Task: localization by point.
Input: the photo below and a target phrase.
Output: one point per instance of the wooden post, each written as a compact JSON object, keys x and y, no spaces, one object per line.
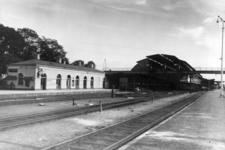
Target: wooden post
{"x":190,"y":85}
{"x":126,"y":84}
{"x":112,"y":94}
{"x":100,"y":106}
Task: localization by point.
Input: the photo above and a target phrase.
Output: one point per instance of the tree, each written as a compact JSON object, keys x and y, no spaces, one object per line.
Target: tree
{"x":50,"y":50}
{"x":78,"y":63}
{"x":11,"y":42}
{"x":32,"y":40}
{"x":25,"y":44}
{"x":11,"y":47}
{"x":90,"y":64}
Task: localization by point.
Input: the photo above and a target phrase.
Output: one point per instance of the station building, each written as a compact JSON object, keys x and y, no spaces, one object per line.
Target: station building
{"x":43,"y":75}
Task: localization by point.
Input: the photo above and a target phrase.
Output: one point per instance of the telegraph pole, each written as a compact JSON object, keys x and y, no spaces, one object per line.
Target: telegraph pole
{"x":222,"y":21}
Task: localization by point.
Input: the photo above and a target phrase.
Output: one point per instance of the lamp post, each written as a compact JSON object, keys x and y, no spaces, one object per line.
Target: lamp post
{"x":222,"y":21}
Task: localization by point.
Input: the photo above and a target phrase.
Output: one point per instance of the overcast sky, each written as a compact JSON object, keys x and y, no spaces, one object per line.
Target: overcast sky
{"x":124,"y":31}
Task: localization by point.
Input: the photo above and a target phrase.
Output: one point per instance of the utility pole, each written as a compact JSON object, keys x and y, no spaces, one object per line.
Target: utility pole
{"x":222,"y":21}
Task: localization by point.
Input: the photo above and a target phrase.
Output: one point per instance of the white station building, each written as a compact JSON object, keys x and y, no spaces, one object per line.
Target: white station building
{"x":43,"y":75}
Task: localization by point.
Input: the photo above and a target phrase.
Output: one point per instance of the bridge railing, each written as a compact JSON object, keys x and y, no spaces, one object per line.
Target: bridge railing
{"x":117,"y":69}
{"x":208,"y":69}
{"x":196,"y":68}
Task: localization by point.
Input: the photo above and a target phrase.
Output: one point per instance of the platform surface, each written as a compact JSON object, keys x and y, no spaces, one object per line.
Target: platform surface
{"x":201,"y":126}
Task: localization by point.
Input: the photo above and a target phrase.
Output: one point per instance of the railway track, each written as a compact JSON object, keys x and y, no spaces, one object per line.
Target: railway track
{"x":50,"y":98}
{"x":115,"y":136}
{"x":78,"y":96}
{"x":6,"y":123}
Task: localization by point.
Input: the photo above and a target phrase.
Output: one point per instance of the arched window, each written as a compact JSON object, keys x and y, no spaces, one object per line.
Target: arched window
{"x":77,"y":82}
{"x":20,"y":81}
{"x":92,"y":82}
{"x":73,"y":82}
{"x":68,"y":82}
{"x":85,"y":82}
{"x":58,"y":81}
{"x":103,"y":83}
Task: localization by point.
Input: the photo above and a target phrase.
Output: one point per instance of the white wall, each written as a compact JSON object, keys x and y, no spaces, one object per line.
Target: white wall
{"x":53,"y":72}
{"x":31,"y":71}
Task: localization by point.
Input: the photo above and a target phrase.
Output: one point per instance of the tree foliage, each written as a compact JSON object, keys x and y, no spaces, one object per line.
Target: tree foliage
{"x":11,"y":42}
{"x":90,"y":64}
{"x":11,"y":47}
{"x":25,"y":44}
{"x":78,"y":63}
{"x":31,"y":39}
{"x":50,"y":50}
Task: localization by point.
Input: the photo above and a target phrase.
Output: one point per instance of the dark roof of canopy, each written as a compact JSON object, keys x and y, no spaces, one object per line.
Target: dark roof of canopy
{"x":165,"y":62}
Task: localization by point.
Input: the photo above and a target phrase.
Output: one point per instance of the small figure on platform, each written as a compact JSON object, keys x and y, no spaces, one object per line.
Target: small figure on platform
{"x":137,"y":89}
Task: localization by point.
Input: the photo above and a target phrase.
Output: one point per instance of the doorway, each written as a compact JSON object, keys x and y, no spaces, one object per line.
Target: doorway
{"x":43,"y":81}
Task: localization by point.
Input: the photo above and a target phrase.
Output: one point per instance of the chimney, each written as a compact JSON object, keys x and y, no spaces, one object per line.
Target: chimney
{"x":38,"y":53}
{"x":38,"y":56}
{"x":79,"y":63}
{"x":59,"y":60}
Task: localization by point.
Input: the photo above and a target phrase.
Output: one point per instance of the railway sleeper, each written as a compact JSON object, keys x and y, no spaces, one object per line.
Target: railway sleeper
{"x":114,"y":136}
{"x":87,"y":145}
{"x":99,"y":137}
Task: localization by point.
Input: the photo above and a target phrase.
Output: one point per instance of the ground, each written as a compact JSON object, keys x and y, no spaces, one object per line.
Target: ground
{"x":48,"y":133}
{"x":200,"y":126}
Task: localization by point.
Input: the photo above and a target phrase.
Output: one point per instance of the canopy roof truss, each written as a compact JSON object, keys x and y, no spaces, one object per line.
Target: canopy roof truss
{"x":168,"y":63}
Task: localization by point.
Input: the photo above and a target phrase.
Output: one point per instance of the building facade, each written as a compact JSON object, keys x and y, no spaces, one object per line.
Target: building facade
{"x":43,"y":75}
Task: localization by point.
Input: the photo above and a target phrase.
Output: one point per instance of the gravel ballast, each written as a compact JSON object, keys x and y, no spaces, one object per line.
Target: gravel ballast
{"x":44,"y":134}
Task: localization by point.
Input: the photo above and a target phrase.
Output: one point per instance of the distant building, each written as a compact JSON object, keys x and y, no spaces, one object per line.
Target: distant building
{"x":43,"y":75}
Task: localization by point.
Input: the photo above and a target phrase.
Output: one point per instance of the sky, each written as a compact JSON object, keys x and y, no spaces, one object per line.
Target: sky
{"x":124,"y":31}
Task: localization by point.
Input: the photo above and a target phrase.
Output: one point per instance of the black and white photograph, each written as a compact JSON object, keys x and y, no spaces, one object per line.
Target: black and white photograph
{"x":112,"y":75}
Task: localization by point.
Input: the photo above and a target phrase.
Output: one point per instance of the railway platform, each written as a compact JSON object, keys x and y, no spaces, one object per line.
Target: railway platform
{"x":201,"y":126}
{"x":23,"y":93}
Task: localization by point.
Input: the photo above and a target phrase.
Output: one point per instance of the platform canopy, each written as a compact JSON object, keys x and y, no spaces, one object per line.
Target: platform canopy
{"x":162,"y":63}
{"x":158,"y":72}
